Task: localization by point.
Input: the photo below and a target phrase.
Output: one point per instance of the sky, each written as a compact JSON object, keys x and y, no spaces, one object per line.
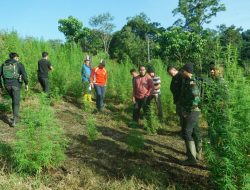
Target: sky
{"x":39,"y":18}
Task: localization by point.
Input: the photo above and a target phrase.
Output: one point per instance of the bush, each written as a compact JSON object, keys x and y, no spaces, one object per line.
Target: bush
{"x":91,"y":129}
{"x":40,"y":144}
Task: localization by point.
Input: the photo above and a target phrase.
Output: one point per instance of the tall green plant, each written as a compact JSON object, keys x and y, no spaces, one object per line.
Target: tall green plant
{"x":40,"y":143}
{"x":228,"y":152}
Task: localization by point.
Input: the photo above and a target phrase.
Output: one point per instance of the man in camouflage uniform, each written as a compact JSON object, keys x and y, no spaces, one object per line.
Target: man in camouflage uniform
{"x":189,"y":102}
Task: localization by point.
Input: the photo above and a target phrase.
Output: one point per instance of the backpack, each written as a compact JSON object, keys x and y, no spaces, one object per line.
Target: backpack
{"x":10,"y":71}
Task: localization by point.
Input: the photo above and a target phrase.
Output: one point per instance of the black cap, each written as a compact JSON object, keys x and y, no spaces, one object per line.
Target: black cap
{"x":188,"y":67}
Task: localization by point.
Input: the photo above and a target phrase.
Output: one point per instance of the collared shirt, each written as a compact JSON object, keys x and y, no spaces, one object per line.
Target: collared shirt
{"x":143,"y":86}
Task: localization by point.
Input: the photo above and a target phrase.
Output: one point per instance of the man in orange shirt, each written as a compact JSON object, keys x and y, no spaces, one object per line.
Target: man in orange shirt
{"x":98,"y":80}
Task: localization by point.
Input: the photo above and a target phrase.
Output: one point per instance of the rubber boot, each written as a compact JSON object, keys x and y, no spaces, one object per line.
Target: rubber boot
{"x":198,"y":146}
{"x":191,"y":154}
{"x":85,"y":97}
{"x":90,"y":98}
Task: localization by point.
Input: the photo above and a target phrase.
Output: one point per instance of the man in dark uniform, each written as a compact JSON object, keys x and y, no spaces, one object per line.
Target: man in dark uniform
{"x":175,"y":88}
{"x":189,"y":102}
{"x":44,"y":66}
{"x":13,"y":73}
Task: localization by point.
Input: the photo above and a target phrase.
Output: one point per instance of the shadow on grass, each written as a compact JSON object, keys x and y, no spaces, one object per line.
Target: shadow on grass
{"x":109,"y":157}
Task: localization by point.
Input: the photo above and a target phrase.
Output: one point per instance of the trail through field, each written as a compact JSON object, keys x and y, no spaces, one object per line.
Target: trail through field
{"x":108,"y":156}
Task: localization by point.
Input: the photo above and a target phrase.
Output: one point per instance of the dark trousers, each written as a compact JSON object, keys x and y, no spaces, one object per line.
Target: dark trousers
{"x":157,"y":99}
{"x":140,"y":103}
{"x":100,"y":94}
{"x":191,"y":127}
{"x":14,"y":93}
{"x":44,"y":83}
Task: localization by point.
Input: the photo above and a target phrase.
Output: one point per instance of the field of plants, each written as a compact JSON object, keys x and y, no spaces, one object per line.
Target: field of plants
{"x":60,"y":143}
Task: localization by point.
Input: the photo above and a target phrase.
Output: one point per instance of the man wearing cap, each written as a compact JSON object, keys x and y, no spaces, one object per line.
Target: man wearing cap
{"x":98,"y":80}
{"x":189,"y":102}
{"x":85,"y":73}
{"x":44,"y":66}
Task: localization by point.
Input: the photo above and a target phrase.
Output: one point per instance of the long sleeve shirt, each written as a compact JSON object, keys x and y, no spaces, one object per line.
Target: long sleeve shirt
{"x":143,"y":86}
{"x":190,"y":95}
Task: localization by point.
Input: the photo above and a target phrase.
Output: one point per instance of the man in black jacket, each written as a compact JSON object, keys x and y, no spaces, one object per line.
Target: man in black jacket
{"x":13,"y":74}
{"x":175,"y":87}
{"x":44,"y":66}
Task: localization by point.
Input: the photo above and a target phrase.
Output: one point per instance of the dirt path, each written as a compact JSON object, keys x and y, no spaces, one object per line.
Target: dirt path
{"x":108,"y":156}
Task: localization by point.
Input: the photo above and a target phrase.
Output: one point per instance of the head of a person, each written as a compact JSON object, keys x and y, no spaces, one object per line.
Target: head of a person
{"x":87,"y":60}
{"x":216,"y":71}
{"x":133,"y":72}
{"x":102,"y":63}
{"x":142,"y":70}
{"x":14,"y":55}
{"x":45,"y":55}
{"x":187,"y":70}
{"x":151,"y":71}
{"x":172,"y":71}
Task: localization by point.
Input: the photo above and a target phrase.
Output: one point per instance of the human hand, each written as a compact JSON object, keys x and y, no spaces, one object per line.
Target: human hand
{"x":26,"y":87}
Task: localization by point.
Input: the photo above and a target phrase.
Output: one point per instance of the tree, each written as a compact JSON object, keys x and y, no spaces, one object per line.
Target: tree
{"x":178,"y":45}
{"x":197,"y":12}
{"x":230,"y":35}
{"x":125,"y":44}
{"x":104,"y":27}
{"x":71,"y":28}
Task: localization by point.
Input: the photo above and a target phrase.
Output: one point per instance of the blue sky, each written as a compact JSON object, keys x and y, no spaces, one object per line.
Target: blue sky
{"x":39,"y":18}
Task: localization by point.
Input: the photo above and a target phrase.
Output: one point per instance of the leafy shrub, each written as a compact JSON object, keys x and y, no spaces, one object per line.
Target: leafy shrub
{"x":152,"y":123}
{"x":40,"y":144}
{"x":91,"y":129}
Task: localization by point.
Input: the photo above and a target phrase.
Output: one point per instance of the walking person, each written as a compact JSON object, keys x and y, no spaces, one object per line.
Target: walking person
{"x":156,"y":95}
{"x":85,"y":73}
{"x":44,"y":66}
{"x":98,"y":80}
{"x":134,"y":74}
{"x":175,"y":87}
{"x":142,"y":90}
{"x":13,"y":74}
{"x":189,"y":102}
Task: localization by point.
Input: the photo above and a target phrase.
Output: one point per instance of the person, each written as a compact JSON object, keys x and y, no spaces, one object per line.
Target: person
{"x":156,"y":95}
{"x":134,"y":74}
{"x":13,"y":74}
{"x":217,"y":102}
{"x":85,"y":73}
{"x":98,"y":80}
{"x":143,"y":88}
{"x":175,"y":87}
{"x":189,"y":102}
{"x":44,"y":66}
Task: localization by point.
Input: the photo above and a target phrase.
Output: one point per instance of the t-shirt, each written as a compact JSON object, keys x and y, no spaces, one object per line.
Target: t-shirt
{"x":157,"y":81}
{"x":43,"y":68}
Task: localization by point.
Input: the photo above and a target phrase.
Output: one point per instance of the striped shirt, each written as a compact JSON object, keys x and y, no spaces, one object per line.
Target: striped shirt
{"x":157,"y":81}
